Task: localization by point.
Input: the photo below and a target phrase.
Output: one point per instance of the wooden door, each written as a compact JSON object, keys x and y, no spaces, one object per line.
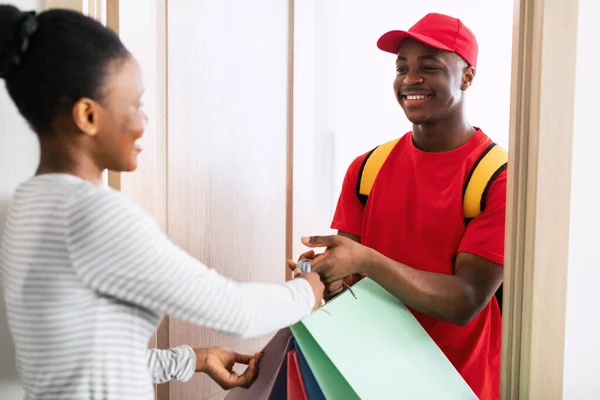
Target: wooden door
{"x":227,"y":144}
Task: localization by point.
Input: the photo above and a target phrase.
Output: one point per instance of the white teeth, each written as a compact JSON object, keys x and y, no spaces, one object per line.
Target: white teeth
{"x":417,"y":97}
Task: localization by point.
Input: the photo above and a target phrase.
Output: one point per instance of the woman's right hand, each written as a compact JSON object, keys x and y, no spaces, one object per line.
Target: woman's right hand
{"x":292,"y":265}
{"x":332,"y":289}
{"x":317,"y":286}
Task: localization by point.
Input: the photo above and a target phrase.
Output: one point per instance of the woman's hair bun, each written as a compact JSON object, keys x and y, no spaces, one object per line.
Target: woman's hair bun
{"x":16,"y":29}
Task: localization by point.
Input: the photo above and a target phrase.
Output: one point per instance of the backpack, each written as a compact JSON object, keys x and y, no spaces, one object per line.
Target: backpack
{"x":490,"y":163}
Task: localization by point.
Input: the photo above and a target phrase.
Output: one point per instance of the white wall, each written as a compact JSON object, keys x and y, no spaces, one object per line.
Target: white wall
{"x":348,"y":81}
{"x":582,"y":348}
{"x":19,"y":153}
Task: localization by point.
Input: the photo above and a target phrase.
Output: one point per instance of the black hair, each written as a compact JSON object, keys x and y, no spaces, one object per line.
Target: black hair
{"x":51,"y":60}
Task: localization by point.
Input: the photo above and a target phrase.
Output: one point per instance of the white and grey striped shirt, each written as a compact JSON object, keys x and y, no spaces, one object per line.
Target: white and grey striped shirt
{"x":88,"y":275}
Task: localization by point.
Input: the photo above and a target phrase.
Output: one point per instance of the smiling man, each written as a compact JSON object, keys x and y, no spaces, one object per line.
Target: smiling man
{"x":410,"y":229}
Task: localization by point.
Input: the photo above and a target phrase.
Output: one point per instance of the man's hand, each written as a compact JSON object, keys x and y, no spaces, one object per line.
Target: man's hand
{"x":332,"y":289}
{"x":218,"y":364}
{"x":455,"y":298}
{"x":343,"y":257}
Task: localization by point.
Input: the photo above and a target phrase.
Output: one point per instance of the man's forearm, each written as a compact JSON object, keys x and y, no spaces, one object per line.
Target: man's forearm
{"x":441,"y":296}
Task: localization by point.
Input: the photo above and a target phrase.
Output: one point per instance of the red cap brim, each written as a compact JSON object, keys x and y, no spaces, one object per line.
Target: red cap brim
{"x":392,"y":40}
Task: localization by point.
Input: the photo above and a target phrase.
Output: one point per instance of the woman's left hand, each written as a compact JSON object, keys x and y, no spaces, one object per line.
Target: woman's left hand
{"x":218,"y":364}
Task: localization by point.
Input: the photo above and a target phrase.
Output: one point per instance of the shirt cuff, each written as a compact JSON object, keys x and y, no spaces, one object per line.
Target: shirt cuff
{"x":302,"y":289}
{"x":187,"y":356}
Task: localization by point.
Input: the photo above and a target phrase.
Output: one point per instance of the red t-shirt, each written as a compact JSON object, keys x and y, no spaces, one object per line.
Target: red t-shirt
{"x":414,"y":215}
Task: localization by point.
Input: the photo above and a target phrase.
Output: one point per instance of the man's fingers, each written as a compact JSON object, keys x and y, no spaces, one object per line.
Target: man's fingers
{"x":321,"y":268}
{"x":331,"y":293}
{"x":308,"y":254}
{"x":324,"y":270}
{"x":335,"y":285}
{"x":321,"y":263}
{"x":320,"y":241}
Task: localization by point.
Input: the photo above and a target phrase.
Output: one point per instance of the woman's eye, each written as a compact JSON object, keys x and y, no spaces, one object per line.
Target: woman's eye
{"x":401,"y":70}
{"x":430,"y":68}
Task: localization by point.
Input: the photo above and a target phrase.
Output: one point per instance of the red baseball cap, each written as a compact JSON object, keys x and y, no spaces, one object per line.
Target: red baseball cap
{"x":436,"y":30}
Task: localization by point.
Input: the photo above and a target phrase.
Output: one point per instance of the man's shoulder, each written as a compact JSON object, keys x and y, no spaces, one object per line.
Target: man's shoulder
{"x":484,"y":141}
{"x":484,"y":146}
{"x":387,"y":146}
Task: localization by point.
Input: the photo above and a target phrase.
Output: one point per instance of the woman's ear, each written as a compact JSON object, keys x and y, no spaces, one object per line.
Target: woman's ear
{"x":468,"y":75}
{"x":85,"y":114}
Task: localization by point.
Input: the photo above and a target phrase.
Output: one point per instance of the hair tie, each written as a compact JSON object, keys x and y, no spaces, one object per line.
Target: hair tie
{"x":29,"y":26}
{"x":25,"y":29}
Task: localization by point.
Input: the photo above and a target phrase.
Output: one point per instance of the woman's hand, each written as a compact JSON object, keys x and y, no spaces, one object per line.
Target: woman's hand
{"x":332,"y":289}
{"x":292,"y":265}
{"x":218,"y":364}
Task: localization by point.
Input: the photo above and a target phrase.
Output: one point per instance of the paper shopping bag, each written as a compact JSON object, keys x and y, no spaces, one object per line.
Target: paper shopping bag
{"x":372,"y":347}
{"x":310,"y":383}
{"x":295,"y":383}
{"x":271,"y":382}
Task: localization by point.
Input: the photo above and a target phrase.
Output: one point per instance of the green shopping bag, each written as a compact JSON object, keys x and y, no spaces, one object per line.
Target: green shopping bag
{"x":372,"y":347}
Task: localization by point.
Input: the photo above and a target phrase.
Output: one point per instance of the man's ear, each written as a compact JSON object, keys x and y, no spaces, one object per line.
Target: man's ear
{"x":85,"y":114}
{"x":468,"y":75}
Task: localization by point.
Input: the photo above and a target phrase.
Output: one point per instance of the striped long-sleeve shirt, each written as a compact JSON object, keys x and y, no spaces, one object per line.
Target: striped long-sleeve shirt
{"x":87,"y":276}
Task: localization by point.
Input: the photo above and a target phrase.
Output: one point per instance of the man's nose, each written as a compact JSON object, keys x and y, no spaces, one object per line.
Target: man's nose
{"x":413,"y":78}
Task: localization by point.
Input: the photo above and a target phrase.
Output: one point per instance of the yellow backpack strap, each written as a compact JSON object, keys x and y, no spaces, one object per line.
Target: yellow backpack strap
{"x":370,"y":168}
{"x":487,"y":167}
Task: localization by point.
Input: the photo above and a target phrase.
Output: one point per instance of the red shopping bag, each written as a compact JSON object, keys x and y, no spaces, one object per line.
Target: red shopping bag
{"x":295,"y":382}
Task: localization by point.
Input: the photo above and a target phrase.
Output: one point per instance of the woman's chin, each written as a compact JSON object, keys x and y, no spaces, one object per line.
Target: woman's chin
{"x":131,"y":165}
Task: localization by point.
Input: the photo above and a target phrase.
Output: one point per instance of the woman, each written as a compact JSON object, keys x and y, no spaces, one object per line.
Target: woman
{"x":87,"y":275}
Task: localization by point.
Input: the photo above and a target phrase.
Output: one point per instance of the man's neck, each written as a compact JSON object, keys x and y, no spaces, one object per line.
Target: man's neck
{"x":443,"y":136}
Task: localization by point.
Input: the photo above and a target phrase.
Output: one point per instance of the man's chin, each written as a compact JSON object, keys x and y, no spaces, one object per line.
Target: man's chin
{"x":419,"y":119}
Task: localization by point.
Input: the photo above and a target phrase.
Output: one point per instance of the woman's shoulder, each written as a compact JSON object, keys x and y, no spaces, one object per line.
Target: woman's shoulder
{"x":75,"y":196}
